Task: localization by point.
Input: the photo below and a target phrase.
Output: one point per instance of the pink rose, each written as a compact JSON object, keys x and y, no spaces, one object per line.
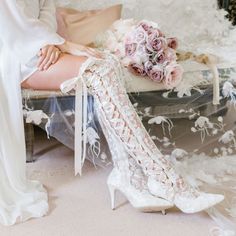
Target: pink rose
{"x":150,"y":27}
{"x":149,"y":51}
{"x":159,"y":58}
{"x":173,"y":75}
{"x":156,"y":73}
{"x":148,"y":67}
{"x":155,"y":43}
{"x":137,"y":69}
{"x":145,"y":26}
{"x":130,"y":49}
{"x":156,"y":32}
{"x":172,"y":43}
{"x":165,"y":57}
{"x":170,"y":55}
{"x":152,"y":31}
{"x":140,"y":35}
{"x":160,"y":34}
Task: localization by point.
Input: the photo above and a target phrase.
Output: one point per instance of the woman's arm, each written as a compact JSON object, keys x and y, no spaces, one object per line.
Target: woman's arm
{"x":47,"y":14}
{"x":49,"y":54}
{"x":24,"y":37}
{"x":79,"y":50}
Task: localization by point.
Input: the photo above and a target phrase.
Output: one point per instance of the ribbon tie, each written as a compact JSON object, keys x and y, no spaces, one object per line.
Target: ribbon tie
{"x":81,"y":100}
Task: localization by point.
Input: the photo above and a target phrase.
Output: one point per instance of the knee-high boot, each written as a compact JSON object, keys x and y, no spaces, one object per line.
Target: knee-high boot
{"x":103,"y":79}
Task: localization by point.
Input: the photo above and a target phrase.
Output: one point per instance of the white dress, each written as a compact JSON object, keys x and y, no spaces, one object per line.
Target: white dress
{"x":20,"y":199}
{"x":44,"y":10}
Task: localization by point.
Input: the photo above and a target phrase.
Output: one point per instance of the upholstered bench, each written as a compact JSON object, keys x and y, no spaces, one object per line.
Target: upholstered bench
{"x":154,"y":100}
{"x":143,"y":94}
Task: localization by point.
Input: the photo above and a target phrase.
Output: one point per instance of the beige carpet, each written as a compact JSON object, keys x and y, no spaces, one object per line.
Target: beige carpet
{"x":80,"y":206}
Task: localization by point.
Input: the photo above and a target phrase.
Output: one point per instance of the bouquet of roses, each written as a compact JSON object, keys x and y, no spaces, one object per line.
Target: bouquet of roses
{"x":151,"y":54}
{"x":144,"y":50}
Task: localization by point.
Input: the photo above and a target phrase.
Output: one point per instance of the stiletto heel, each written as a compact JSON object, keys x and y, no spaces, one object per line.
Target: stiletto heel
{"x":139,"y":199}
{"x":112,"y":191}
{"x":163,"y":212}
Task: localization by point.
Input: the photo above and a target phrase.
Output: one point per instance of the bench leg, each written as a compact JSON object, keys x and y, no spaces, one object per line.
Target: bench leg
{"x":29,"y":142}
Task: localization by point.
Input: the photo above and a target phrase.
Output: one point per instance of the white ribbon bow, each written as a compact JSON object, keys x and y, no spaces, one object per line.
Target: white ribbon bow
{"x":81,"y":101}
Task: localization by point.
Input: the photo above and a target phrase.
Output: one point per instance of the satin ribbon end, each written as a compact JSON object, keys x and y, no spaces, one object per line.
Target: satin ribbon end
{"x":78,"y":171}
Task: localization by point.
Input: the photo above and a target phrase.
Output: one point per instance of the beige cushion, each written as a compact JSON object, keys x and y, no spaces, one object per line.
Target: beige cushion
{"x":83,"y":26}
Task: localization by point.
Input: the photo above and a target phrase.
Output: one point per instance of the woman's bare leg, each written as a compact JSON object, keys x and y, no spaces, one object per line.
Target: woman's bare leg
{"x":65,"y":68}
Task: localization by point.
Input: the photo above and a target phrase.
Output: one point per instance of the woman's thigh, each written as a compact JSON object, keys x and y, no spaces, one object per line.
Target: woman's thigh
{"x":65,"y":68}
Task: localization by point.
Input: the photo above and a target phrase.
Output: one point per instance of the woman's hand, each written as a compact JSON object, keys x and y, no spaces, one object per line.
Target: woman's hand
{"x":79,"y":50}
{"x":48,"y":55}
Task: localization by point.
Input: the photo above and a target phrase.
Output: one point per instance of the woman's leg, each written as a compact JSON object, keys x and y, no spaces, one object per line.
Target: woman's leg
{"x":65,"y":68}
{"x":117,"y":114}
{"x":68,"y":67}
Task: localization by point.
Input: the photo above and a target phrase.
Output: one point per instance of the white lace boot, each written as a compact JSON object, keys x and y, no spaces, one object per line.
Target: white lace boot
{"x":103,"y":79}
{"x":128,"y":177}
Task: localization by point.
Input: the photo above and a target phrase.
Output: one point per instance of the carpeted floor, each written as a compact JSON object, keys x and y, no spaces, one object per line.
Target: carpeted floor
{"x":80,"y":206}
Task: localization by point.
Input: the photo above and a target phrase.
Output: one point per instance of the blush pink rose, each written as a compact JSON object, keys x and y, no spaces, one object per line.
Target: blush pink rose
{"x":173,"y":75}
{"x":149,"y":29}
{"x":167,"y":57}
{"x":137,"y":69}
{"x":140,"y":35}
{"x":145,"y":26}
{"x":172,"y":43}
{"x":130,"y":49}
{"x":152,"y":31}
{"x":159,"y":58}
{"x":156,"y":73}
{"x":156,"y":32}
{"x":148,"y":67}
{"x":160,"y":34}
{"x":155,"y":43}
{"x":170,"y":55}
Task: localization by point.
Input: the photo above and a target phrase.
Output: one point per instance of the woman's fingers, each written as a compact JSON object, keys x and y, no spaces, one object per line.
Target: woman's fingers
{"x":39,"y":53}
{"x":42,"y":54}
{"x":50,"y":61}
{"x":54,"y":58}
{"x":57,"y":55}
{"x":46,"y":59}
{"x":50,"y":55}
